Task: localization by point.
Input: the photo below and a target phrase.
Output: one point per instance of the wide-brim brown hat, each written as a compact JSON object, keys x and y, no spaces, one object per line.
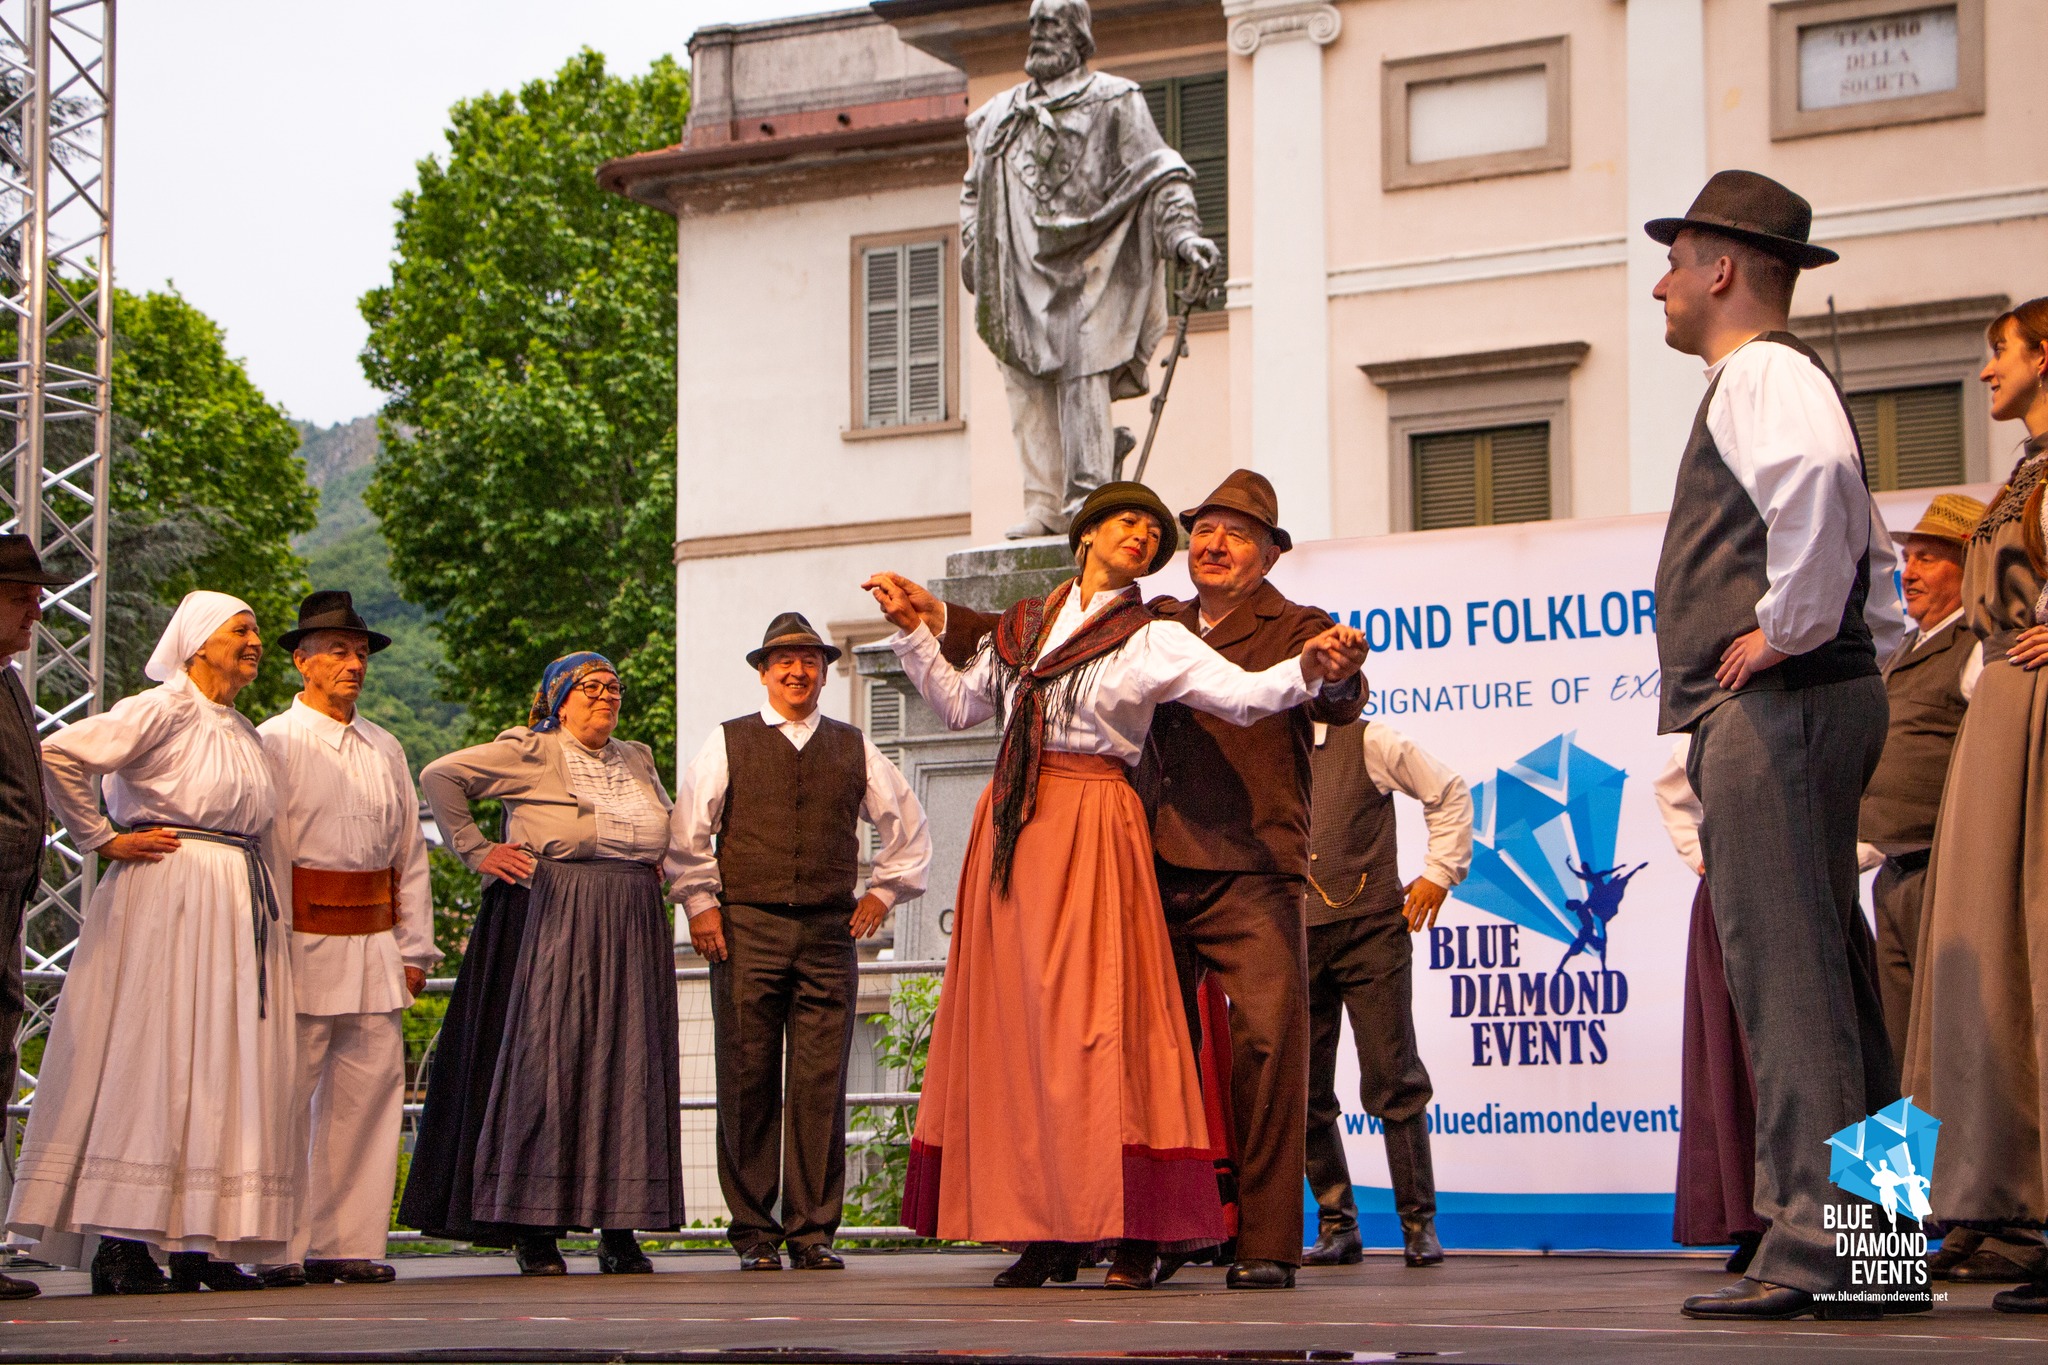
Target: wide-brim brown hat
{"x":19,"y":563}
{"x":1952,"y":517}
{"x":1251,"y":493}
{"x":330,"y":609}
{"x":1751,"y":208}
{"x":791,"y":631}
{"x":1124,"y":495}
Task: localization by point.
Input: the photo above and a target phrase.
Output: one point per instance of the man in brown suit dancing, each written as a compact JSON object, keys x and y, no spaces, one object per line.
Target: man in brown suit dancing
{"x":1230,"y":833}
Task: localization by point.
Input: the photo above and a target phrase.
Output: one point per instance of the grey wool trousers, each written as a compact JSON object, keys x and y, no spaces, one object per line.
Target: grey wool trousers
{"x":1779,"y":775}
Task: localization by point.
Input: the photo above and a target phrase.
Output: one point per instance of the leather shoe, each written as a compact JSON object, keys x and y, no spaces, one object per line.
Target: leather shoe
{"x":1057,"y":1262}
{"x":12,"y":1288}
{"x":539,"y":1255}
{"x":192,"y":1271}
{"x":1135,"y":1265}
{"x":619,"y":1253}
{"x":1419,"y":1246}
{"x":360,"y":1270}
{"x":1957,"y":1245}
{"x":761,"y":1256}
{"x":2031,"y":1297}
{"x":1335,"y":1247}
{"x":1738,"y":1260}
{"x":1986,"y":1266}
{"x":1760,"y":1299}
{"x":1260,"y":1275}
{"x":816,"y":1256}
{"x":283,"y":1277}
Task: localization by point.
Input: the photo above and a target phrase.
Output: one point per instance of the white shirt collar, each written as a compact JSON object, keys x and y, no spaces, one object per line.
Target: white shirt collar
{"x":1920,"y":637}
{"x":775,"y":720}
{"x":322,"y":725}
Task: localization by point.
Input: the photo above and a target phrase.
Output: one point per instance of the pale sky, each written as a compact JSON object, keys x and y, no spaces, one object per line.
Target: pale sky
{"x":260,"y":144}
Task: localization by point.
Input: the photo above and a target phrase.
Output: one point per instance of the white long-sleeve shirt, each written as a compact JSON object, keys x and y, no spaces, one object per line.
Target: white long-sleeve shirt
{"x":1164,"y":661}
{"x":347,"y":804}
{"x":1680,"y":806}
{"x":1783,"y":434}
{"x":898,"y":872}
{"x":1396,"y":763}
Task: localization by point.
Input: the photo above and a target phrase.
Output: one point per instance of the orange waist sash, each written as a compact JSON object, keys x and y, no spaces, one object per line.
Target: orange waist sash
{"x":329,"y":902}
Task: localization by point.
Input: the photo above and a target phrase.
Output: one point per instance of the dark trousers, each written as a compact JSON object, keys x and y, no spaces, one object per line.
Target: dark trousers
{"x":18,"y":876}
{"x":1779,"y":775}
{"x":782,"y":1016}
{"x":1247,"y":928}
{"x":1896,"y":896}
{"x":1364,"y":965}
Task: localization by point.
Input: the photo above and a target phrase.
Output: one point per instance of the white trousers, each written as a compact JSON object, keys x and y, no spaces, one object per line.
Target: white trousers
{"x":351,"y":1103}
{"x":1064,"y":440}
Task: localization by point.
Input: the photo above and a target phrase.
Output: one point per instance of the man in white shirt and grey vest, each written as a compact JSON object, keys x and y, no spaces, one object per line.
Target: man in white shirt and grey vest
{"x":348,"y":822}
{"x":1774,"y":605}
{"x":764,"y":856}
{"x":1360,"y":961}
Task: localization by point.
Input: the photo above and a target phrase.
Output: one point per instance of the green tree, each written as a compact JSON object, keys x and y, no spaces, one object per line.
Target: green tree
{"x":527,"y":339}
{"x":206,"y":490}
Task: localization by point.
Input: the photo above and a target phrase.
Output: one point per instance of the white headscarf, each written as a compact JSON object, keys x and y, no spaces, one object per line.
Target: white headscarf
{"x":192,"y":625}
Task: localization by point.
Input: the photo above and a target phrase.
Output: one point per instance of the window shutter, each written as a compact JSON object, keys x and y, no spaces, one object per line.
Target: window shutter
{"x":1520,"y":473}
{"x":925,"y":332}
{"x":1913,"y":437}
{"x":1204,"y":142}
{"x":883,"y":269}
{"x":1446,"y":486}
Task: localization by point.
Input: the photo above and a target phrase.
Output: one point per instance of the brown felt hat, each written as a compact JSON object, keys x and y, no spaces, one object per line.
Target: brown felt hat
{"x":19,"y":563}
{"x":1125,"y":495}
{"x":1247,"y":492}
{"x":790,"y":631}
{"x":1751,"y":208}
{"x":330,"y":609}
{"x":1951,"y":516}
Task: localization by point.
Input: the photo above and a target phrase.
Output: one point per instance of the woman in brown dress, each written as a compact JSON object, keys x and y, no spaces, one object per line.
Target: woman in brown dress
{"x":1977,"y":1045}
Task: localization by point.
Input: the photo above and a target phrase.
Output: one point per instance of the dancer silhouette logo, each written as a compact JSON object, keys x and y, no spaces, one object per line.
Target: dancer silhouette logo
{"x":1888,"y":1158}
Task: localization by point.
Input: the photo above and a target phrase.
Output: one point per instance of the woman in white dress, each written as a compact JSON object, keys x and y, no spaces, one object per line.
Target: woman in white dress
{"x":163,"y":1112}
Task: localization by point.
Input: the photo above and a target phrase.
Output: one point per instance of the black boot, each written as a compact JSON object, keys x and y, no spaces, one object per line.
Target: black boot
{"x":1058,"y":1262}
{"x":1329,"y":1179}
{"x":192,"y":1271}
{"x":124,"y":1267}
{"x":1136,"y":1263}
{"x":537,"y":1254}
{"x":1414,"y":1179}
{"x":619,"y":1253}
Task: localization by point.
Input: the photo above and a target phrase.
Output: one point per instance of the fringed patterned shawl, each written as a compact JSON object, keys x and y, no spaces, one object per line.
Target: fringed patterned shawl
{"x":1046,"y":692}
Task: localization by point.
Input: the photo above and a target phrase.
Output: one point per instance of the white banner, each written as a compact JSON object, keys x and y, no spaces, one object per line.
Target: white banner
{"x":1548,"y":999}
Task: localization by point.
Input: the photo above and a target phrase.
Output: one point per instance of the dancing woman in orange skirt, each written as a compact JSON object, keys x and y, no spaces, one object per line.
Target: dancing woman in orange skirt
{"x":1061,"y":1106}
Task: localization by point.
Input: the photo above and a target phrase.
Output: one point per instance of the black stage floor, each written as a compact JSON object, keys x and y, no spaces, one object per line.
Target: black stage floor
{"x":938,"y":1308}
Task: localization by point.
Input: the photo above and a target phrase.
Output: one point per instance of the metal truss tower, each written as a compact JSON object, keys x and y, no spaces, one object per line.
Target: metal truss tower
{"x":56,"y":280}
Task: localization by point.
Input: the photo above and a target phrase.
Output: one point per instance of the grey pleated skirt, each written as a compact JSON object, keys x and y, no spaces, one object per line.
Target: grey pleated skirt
{"x":581,"y":1130}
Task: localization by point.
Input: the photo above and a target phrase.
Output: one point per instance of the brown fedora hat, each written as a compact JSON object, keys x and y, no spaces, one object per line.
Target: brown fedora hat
{"x":19,"y":563}
{"x":1751,"y":208}
{"x":1126,"y":495}
{"x":1250,"y":493}
{"x":790,"y":631}
{"x":330,"y":609}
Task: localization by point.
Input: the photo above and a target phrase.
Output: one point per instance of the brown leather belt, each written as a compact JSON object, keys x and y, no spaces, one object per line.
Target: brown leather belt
{"x":329,"y":902}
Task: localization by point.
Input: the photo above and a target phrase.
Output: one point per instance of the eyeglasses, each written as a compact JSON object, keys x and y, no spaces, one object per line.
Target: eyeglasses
{"x":601,"y":691}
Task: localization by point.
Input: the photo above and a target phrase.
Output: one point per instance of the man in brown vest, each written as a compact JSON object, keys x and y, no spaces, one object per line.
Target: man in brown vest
{"x":772,"y":908}
{"x":1360,"y":956}
{"x":24,"y":819}
{"x":1230,"y":833}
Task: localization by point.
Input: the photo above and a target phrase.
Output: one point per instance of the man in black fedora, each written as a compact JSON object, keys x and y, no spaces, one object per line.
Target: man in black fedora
{"x":24,"y":819}
{"x":1774,"y":605}
{"x":1230,"y":833}
{"x":764,"y":857}
{"x":348,"y":825}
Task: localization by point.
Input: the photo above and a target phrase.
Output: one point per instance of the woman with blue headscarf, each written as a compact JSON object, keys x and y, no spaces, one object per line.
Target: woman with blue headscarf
{"x":552,"y":1103}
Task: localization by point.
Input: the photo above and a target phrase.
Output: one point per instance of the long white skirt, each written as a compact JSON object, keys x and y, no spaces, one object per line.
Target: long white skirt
{"x":164,"y":1108}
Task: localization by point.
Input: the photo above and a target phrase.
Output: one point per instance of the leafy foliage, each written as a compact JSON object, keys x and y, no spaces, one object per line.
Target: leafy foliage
{"x":205,"y":490}
{"x":906,"y":1039}
{"x":527,"y":339}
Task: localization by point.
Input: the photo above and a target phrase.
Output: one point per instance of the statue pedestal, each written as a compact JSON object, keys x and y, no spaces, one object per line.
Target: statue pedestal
{"x":949,"y":769}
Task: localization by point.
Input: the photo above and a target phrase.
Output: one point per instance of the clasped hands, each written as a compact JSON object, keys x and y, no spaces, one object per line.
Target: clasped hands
{"x":1338,"y":653}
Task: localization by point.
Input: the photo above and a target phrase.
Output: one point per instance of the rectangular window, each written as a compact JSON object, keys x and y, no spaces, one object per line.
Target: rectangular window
{"x":1912,"y":437}
{"x":903,"y":307}
{"x":1469,"y":115}
{"x":1481,"y":478}
{"x":1193,"y":114}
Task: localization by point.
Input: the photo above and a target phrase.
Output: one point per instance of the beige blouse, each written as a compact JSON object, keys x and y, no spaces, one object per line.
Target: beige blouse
{"x":546,"y":813}
{"x":2000,"y":587}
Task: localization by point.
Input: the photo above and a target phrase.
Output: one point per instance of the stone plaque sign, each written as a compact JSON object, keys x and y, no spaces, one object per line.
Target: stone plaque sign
{"x":1884,"y":57}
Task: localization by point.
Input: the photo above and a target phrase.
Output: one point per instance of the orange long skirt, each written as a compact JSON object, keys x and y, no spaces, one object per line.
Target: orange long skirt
{"x":1061,"y":1101}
